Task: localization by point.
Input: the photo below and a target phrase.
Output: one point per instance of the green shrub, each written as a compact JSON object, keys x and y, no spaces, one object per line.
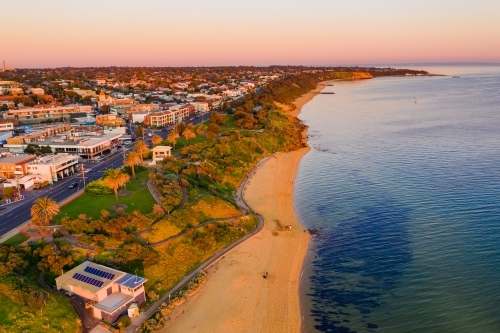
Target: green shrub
{"x":123,"y":322}
{"x":97,"y":187}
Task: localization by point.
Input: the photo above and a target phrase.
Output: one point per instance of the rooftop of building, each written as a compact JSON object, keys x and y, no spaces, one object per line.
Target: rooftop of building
{"x":113,"y":302}
{"x":16,"y":158}
{"x":50,"y":159}
{"x":90,"y":276}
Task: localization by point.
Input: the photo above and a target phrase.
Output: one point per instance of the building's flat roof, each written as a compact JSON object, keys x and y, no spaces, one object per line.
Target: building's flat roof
{"x":55,"y":141}
{"x":53,"y":159}
{"x":68,"y":277}
{"x":131,"y":281}
{"x":14,"y":159}
{"x":89,"y":140}
{"x":162,"y":148}
{"x":114,"y":301}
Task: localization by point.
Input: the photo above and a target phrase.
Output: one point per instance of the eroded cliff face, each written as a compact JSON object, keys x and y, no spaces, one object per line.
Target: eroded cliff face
{"x":361,"y":75}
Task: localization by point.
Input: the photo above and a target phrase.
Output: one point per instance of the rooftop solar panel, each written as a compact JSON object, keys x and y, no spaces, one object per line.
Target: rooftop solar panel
{"x":100,"y":273}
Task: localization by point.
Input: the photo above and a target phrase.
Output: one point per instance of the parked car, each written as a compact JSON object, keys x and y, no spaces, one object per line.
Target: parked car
{"x":74,"y":184}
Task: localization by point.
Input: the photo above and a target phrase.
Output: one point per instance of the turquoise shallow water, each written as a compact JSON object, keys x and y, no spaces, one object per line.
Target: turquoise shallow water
{"x":407,"y":198}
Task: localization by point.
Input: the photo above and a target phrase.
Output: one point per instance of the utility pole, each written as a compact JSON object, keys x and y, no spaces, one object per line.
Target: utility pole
{"x":18,"y":187}
{"x":83,"y":175}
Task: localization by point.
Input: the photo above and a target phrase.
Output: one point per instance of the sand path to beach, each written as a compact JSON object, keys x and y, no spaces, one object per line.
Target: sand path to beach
{"x":236,"y":297}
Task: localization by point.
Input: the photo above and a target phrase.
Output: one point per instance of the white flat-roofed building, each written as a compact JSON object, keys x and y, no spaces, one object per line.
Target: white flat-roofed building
{"x":111,"y":291}
{"x":73,"y":143}
{"x":51,"y":168}
{"x":160,"y":152}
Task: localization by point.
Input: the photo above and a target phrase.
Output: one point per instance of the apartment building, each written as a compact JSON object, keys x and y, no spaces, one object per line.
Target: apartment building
{"x":171,"y":116}
{"x":110,"y":291}
{"x":7,"y":86}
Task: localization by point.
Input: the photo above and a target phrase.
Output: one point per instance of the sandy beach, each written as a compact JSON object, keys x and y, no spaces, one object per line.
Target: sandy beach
{"x":236,"y":296}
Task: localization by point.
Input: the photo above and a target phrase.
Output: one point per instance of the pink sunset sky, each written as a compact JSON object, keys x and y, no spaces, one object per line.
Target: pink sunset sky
{"x":57,"y":33}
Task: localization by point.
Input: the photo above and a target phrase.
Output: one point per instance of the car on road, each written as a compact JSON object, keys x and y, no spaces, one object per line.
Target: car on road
{"x":88,"y":170}
{"x":74,"y":184}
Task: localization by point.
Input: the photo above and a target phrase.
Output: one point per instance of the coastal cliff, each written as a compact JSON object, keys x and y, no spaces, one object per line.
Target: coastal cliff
{"x":349,"y":75}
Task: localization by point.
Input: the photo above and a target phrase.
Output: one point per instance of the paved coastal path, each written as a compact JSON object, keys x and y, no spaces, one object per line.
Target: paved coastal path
{"x":143,"y":316}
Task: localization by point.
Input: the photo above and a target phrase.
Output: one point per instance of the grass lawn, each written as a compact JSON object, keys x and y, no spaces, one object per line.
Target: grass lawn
{"x":58,"y":316}
{"x":181,"y":142}
{"x":15,"y":240}
{"x":229,"y":123}
{"x":91,"y":205}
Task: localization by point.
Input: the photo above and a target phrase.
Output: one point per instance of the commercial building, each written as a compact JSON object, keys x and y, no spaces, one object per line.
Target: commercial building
{"x":85,"y":144}
{"x":12,"y":165}
{"x":36,"y":115}
{"x":172,"y":116}
{"x":110,"y":291}
{"x":52,"y":167}
{"x":109,"y":120}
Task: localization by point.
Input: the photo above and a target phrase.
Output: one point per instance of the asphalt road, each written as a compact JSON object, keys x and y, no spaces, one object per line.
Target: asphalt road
{"x":15,"y":214}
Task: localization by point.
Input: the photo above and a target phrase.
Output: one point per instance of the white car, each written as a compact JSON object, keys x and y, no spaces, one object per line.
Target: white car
{"x":88,"y":170}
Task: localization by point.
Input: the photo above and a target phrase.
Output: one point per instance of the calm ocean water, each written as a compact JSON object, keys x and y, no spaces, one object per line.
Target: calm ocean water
{"x":407,"y":198}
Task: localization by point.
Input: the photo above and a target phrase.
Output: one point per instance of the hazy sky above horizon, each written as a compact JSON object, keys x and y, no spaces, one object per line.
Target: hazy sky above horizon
{"x":55,"y":33}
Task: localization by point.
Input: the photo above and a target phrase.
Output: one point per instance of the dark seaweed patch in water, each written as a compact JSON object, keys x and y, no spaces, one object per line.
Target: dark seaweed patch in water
{"x":357,"y":263}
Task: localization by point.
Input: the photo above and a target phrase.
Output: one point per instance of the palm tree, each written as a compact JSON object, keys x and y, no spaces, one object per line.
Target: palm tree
{"x":201,"y":130}
{"x":188,"y":134}
{"x":131,"y":160}
{"x":172,"y":137}
{"x":43,"y":211}
{"x":115,"y":179}
{"x":141,"y":148}
{"x":156,"y":139}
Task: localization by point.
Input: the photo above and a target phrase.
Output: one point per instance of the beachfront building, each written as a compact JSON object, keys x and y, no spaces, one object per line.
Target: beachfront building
{"x":12,"y":165}
{"x":36,"y":115}
{"x":52,"y":167}
{"x":159,"y":153}
{"x":109,"y":291}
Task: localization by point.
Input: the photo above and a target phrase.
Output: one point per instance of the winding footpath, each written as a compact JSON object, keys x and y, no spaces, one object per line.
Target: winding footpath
{"x":143,"y":316}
